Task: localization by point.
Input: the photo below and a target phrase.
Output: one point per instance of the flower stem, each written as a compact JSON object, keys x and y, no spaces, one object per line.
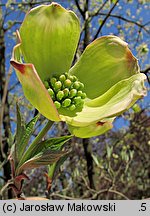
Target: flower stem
{"x":41,"y":134}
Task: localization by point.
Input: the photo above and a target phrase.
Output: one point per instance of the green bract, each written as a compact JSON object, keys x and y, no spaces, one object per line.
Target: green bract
{"x":105,"y":81}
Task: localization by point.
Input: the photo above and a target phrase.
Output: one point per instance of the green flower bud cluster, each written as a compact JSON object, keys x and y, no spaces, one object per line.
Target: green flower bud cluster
{"x":66,"y":91}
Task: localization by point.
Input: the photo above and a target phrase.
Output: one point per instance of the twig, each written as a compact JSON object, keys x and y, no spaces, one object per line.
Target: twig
{"x":109,"y":191}
{"x":105,"y":19}
{"x":64,"y":197}
{"x":3,"y":105}
{"x":13,"y":86}
{"x":79,"y":8}
{"x":86,"y":184}
{"x":146,"y":71}
{"x":127,"y":20}
{"x":92,"y":15}
{"x":25,"y":3}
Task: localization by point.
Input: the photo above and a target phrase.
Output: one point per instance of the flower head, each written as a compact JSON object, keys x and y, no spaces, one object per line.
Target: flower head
{"x":101,"y":85}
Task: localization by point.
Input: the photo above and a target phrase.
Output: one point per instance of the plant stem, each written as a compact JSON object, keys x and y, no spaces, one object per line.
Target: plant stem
{"x":38,"y":138}
{"x":41,"y":134}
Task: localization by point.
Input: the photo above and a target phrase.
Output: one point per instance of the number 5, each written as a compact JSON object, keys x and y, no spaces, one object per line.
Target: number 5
{"x":143,"y":207}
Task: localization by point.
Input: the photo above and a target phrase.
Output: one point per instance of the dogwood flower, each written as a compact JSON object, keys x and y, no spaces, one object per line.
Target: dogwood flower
{"x":102,"y":84}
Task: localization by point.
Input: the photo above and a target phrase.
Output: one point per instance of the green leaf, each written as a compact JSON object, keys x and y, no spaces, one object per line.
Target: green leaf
{"x":109,"y":151}
{"x":11,"y":139}
{"x":23,"y":134}
{"x":52,"y":144}
{"x":96,"y":160}
{"x":20,"y":125}
{"x":41,"y":159}
{"x":26,"y":136}
{"x":136,"y":108}
{"x":53,"y":169}
{"x":19,"y":132}
{"x":106,"y":61}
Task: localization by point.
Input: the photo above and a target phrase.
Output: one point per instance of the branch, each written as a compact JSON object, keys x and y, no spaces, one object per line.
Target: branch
{"x":89,"y":162}
{"x":103,"y":22}
{"x":92,"y":15}
{"x":24,"y":3}
{"x":109,"y":191}
{"x":13,"y":86}
{"x":12,"y":25}
{"x":63,"y":196}
{"x":79,"y":8}
{"x":146,"y":71}
{"x":86,"y":6}
{"x":3,"y":104}
{"x":128,"y":20}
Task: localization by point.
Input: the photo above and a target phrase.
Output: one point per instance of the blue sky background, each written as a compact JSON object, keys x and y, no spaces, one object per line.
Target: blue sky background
{"x":123,"y":9}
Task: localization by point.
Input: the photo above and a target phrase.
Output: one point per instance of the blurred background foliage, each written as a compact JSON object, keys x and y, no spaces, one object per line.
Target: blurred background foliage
{"x":115,"y":165}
